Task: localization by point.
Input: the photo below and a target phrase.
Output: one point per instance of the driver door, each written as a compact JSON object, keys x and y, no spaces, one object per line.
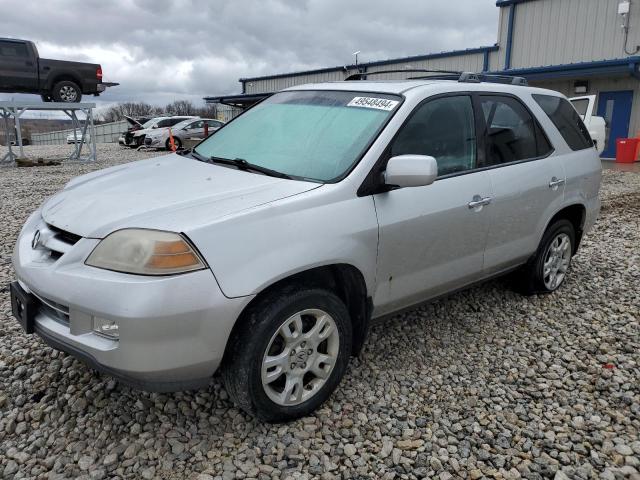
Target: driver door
{"x":432,"y":238}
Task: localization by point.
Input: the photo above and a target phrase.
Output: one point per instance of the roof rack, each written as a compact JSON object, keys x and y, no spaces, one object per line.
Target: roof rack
{"x":464,"y":77}
{"x":470,"y":77}
{"x":359,"y":75}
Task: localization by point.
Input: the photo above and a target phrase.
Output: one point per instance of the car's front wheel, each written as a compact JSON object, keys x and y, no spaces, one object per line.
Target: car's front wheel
{"x":547,"y":270}
{"x":288,"y":354}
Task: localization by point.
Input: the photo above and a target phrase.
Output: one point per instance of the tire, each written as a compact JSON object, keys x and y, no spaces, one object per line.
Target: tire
{"x":261,"y":334}
{"x":176,"y":141}
{"x":533,"y":277}
{"x":66,"y":92}
{"x":139,"y":141}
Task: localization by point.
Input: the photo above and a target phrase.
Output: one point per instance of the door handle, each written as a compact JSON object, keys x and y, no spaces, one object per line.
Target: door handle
{"x":556,"y":182}
{"x":479,"y":201}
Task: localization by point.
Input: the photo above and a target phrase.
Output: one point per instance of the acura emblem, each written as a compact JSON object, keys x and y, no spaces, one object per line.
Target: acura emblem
{"x":36,"y":240}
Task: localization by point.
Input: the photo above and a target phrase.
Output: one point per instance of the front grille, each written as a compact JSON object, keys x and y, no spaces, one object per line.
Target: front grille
{"x":67,"y":237}
{"x":57,"y":311}
{"x":57,"y":242}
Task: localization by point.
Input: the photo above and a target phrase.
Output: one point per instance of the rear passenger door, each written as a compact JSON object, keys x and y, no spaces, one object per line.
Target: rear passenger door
{"x":526,"y":178}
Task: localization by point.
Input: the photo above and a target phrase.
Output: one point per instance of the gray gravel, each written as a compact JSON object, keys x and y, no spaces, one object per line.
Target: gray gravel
{"x":484,"y":384}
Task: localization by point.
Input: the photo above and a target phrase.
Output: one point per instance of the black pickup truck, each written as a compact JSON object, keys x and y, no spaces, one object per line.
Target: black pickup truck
{"x":23,"y":71}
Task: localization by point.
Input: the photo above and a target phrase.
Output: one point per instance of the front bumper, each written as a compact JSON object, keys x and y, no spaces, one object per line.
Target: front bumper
{"x":154,"y":141}
{"x":172,"y":330}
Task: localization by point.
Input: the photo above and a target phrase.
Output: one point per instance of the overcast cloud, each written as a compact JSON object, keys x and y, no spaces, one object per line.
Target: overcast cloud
{"x":164,"y":50}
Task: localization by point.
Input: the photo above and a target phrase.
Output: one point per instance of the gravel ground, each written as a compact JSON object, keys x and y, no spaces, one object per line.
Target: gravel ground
{"x":485,"y":383}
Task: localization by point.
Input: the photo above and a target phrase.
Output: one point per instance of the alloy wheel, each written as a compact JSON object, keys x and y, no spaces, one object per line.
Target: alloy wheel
{"x":300,"y":357}
{"x":556,"y":261}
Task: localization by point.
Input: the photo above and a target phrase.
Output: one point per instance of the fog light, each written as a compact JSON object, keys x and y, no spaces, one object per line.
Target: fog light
{"x":105,"y":327}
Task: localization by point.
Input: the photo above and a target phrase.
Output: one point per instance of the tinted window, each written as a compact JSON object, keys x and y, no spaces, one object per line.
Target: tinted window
{"x":566,"y":120}
{"x":13,"y":49}
{"x":512,"y":134}
{"x":214,"y":124}
{"x":444,"y":129}
{"x":166,"y":123}
{"x":581,"y":106}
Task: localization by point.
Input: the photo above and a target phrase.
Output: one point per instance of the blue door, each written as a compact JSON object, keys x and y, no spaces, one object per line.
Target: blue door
{"x":615,"y":108}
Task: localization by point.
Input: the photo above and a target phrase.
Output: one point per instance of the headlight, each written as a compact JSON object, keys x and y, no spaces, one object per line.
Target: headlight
{"x":145,"y":252}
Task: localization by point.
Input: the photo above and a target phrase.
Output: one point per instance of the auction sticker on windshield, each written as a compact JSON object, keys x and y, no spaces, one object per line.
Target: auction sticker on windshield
{"x":373,"y":102}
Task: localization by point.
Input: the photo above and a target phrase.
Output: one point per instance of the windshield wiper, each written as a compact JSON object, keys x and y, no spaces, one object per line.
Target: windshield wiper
{"x":195,"y":155}
{"x":242,"y":164}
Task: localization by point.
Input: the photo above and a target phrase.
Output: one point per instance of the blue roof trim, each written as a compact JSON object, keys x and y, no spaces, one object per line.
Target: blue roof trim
{"x":620,"y":65}
{"x":506,"y":3}
{"x":507,"y":55}
{"x":414,"y":58}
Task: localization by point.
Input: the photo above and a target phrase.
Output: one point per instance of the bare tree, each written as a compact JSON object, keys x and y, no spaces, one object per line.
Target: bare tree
{"x":142,"y":109}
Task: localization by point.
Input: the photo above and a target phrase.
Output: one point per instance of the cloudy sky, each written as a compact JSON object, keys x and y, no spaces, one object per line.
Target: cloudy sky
{"x":164,"y":50}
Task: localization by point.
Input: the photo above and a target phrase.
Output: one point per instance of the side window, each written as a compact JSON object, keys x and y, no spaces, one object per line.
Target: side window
{"x":512,"y":134}
{"x":444,"y":129}
{"x":13,"y":49}
{"x":165,"y":123}
{"x":566,"y":120}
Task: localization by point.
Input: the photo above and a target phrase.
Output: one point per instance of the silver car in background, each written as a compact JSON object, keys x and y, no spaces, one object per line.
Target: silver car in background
{"x":268,"y":251}
{"x":181,"y":132}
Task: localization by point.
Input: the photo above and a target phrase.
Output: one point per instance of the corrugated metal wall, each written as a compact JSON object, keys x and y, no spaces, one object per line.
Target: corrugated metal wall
{"x":472,"y":62}
{"x":556,"y":32}
{"x":105,"y":133}
{"x":274,"y":84}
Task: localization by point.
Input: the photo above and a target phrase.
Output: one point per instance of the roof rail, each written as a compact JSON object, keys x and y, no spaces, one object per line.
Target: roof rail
{"x":464,"y":77}
{"x":359,"y":75}
{"x":470,"y":77}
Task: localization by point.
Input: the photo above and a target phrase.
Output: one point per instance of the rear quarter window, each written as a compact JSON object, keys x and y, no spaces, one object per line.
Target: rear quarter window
{"x":566,"y":120}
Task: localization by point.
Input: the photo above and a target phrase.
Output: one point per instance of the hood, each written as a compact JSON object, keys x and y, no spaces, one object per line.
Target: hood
{"x":167,"y":193}
{"x":132,"y":121}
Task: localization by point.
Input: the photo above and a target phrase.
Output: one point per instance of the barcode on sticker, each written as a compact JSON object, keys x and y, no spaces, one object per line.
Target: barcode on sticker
{"x":373,"y":102}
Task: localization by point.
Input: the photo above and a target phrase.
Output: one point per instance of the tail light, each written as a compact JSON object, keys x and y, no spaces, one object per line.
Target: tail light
{"x":99,"y":73}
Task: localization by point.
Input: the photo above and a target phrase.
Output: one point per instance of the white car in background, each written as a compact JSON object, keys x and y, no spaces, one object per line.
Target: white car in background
{"x":182,"y":131}
{"x":77,"y":137}
{"x":597,"y":126}
{"x":153,"y":124}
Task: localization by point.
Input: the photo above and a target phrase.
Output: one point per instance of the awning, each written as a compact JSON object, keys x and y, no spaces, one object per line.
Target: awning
{"x":244,"y":100}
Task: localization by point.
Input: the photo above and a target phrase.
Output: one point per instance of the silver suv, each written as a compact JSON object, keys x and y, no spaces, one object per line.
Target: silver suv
{"x":268,"y":250}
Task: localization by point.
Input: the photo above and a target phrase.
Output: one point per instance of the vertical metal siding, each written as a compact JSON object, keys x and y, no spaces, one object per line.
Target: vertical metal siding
{"x":553,"y":32}
{"x":472,"y":62}
{"x":105,"y":133}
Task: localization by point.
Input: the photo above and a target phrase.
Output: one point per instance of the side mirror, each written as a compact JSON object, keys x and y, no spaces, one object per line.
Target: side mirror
{"x":411,"y":171}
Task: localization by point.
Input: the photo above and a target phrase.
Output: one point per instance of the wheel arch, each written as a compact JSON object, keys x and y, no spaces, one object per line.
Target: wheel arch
{"x":576,"y":213}
{"x":344,"y":280}
{"x":61,"y":77}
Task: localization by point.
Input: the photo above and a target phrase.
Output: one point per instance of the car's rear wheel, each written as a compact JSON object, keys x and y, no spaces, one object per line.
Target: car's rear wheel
{"x":547,"y":270}
{"x":66,"y":91}
{"x":288,"y":354}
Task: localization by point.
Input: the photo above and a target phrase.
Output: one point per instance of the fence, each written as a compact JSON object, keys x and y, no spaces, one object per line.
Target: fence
{"x":105,"y":133}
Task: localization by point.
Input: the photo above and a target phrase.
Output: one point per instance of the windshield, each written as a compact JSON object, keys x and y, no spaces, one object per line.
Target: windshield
{"x":316,"y":135}
{"x":148,"y":123}
{"x":581,"y":105}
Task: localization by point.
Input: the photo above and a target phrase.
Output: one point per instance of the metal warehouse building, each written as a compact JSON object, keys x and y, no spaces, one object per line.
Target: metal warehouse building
{"x":577,"y":47}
